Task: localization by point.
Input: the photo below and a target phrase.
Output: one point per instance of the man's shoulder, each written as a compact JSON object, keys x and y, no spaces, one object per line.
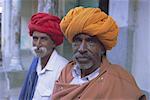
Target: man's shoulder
{"x":121,"y":77}
{"x":118,"y":71}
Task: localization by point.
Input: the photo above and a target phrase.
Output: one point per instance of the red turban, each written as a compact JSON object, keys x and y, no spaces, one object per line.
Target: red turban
{"x":48,"y":24}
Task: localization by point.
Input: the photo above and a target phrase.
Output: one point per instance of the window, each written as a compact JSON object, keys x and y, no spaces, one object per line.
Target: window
{"x":104,"y":5}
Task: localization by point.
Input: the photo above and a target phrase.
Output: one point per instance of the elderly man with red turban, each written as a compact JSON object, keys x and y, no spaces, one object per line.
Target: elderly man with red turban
{"x":47,"y":64}
{"x":90,"y":76}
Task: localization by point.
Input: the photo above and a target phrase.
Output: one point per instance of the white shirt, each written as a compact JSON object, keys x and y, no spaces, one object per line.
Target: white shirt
{"x":76,"y":73}
{"x":48,"y":76}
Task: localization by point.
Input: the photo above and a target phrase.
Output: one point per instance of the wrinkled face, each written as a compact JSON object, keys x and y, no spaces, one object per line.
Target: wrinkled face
{"x":86,"y":51}
{"x":42,"y":44}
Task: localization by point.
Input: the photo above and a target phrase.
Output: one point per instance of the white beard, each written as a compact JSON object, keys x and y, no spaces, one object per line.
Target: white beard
{"x":39,"y":52}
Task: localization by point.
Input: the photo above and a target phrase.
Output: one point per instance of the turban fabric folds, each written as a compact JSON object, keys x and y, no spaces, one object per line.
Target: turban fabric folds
{"x":48,"y":24}
{"x":93,"y":22}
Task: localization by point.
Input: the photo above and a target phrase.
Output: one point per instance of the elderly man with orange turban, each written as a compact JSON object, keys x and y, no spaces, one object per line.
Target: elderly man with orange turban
{"x":90,"y":76}
{"x":46,"y":66}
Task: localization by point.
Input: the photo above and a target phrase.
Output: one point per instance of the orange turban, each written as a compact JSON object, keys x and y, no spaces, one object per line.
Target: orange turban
{"x":91,"y":21}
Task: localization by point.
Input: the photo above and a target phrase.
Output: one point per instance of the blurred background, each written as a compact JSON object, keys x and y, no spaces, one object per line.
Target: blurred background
{"x":132,"y":50}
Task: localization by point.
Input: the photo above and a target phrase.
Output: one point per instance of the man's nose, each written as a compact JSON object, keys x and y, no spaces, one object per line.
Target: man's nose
{"x":38,"y":43}
{"x":83,"y":48}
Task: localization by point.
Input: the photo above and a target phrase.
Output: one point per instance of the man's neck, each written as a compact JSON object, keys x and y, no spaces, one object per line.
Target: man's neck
{"x":45,"y":59}
{"x":85,"y":72}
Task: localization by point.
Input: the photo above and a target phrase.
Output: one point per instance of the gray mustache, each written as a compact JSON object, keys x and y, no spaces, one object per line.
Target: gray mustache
{"x":80,"y":56}
{"x":38,"y":49}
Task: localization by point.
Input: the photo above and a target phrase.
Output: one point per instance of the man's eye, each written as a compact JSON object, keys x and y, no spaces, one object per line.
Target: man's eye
{"x":77,"y":40}
{"x":44,"y":38}
{"x":35,"y":38}
{"x":91,"y":41}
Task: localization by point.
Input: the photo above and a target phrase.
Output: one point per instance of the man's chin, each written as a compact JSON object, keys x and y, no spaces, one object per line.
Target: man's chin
{"x":39,"y":55}
{"x":84,"y":65}
{"x":82,"y":60}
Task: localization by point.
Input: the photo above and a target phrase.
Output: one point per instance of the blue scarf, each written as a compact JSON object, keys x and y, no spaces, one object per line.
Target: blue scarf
{"x":28,"y":88}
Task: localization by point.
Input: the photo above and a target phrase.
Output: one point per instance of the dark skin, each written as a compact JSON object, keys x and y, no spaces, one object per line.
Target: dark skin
{"x":43,"y":40}
{"x":87,"y":53}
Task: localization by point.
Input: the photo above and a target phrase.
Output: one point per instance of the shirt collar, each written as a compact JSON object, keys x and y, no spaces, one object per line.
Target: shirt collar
{"x":50,"y":64}
{"x":76,"y":72}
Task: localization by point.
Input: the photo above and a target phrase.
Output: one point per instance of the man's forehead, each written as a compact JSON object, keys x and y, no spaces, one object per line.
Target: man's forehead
{"x":40,"y":34}
{"x":86,"y":35}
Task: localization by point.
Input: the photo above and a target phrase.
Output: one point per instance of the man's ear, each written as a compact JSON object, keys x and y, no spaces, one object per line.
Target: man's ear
{"x":103,"y":50}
